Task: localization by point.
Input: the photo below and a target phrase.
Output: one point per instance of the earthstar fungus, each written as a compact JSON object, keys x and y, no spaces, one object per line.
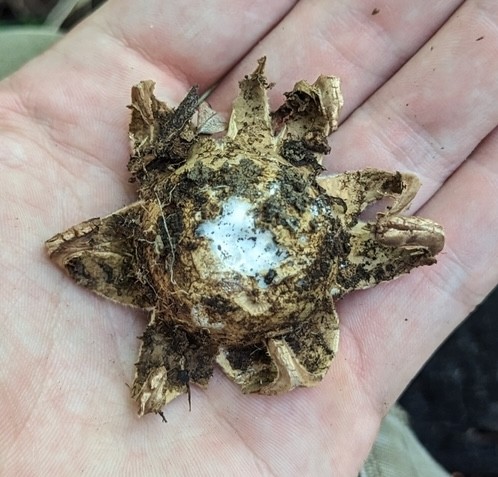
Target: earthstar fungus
{"x":237,"y":246}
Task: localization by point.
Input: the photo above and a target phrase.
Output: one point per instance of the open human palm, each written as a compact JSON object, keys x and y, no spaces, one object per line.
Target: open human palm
{"x":67,"y":354}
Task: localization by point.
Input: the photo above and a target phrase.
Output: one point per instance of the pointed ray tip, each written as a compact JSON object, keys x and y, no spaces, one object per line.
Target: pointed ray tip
{"x":260,"y":69}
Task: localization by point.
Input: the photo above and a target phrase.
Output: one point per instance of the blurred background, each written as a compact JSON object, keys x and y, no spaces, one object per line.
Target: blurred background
{"x":452,"y":403}
{"x":27,"y":27}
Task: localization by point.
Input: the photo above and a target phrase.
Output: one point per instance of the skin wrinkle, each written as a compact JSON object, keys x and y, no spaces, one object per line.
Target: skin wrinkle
{"x":222,"y":417}
{"x":178,"y":55}
{"x":463,"y":292}
{"x":380,"y":396}
{"x":402,"y":156}
{"x":12,"y":104}
{"x":35,"y":397}
{"x":174,"y":73}
{"x":79,"y":162}
{"x":357,"y":364}
{"x":354,"y":88}
{"x":80,"y":156}
{"x":266,"y":412}
{"x":73,"y":174}
{"x":54,"y":139}
{"x":486,"y":9}
{"x":417,"y":126}
{"x":257,"y":454}
{"x":468,"y":304}
{"x":490,"y":141}
{"x":70,"y":113}
{"x":23,"y":90}
{"x":476,"y":183}
{"x":373,"y":33}
{"x":459,"y":311}
{"x":23,"y":279}
{"x":440,"y":283}
{"x":258,"y":461}
{"x":361,"y":70}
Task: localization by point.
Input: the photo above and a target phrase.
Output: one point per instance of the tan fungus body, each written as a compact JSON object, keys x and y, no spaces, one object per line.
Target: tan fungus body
{"x":237,"y":246}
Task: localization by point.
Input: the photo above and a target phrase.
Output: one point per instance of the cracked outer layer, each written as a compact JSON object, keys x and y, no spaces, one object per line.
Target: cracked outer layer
{"x":237,"y":246}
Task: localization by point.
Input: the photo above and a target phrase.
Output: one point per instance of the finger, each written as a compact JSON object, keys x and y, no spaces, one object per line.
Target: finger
{"x":450,"y":109}
{"x":433,"y":113}
{"x":354,"y":40}
{"x":195,"y":42}
{"x":409,"y":318}
{"x":420,"y":119}
{"x":453,"y":86}
{"x":179,"y":42}
{"x":76,"y":92}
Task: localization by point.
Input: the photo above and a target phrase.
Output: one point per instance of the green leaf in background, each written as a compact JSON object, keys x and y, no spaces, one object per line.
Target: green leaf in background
{"x":21,"y":43}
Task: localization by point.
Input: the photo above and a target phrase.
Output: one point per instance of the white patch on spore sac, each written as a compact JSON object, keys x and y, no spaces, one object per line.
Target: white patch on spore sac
{"x":239,"y":245}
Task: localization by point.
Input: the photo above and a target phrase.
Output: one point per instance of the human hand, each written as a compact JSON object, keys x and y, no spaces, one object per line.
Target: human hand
{"x":67,"y":354}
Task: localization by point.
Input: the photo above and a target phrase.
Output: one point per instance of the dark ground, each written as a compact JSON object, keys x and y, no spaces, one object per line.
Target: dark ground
{"x":453,"y":402}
